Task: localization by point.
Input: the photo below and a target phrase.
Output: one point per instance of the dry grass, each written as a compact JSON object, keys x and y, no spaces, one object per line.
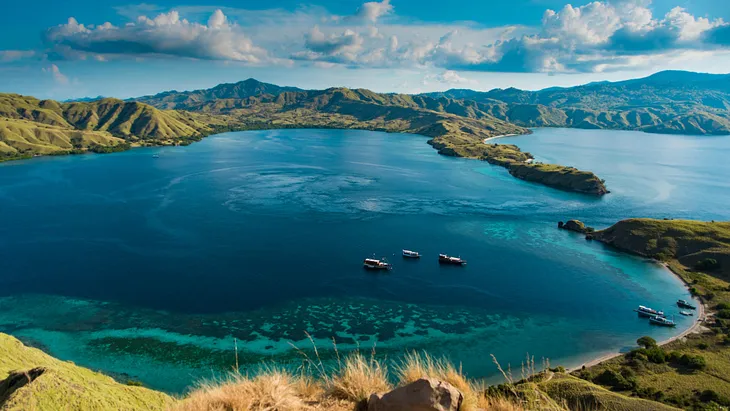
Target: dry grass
{"x":419,"y":365}
{"x":358,"y":377}
{"x":270,"y":390}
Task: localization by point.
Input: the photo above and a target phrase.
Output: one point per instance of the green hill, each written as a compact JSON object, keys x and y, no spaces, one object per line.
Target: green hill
{"x":666,"y":102}
{"x":33,"y":380}
{"x":29,"y":126}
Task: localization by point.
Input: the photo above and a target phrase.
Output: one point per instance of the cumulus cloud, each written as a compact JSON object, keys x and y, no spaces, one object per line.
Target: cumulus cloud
{"x":372,"y":11}
{"x":54,"y":71}
{"x":598,"y":36}
{"x":13,"y":55}
{"x":448,"y":77}
{"x":167,"y":35}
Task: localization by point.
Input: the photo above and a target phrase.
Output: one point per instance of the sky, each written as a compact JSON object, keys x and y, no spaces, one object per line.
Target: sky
{"x":78,"y":48}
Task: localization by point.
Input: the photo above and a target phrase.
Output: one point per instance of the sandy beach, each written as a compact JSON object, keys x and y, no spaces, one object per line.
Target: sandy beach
{"x":695,"y":328}
{"x":500,"y":136}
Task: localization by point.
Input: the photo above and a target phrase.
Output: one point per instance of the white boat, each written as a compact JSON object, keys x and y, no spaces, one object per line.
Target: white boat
{"x":687,"y":313}
{"x":445,"y":259}
{"x":649,"y":312}
{"x":375,"y":264}
{"x":155,"y":156}
{"x":663,"y":321}
{"x":411,"y":254}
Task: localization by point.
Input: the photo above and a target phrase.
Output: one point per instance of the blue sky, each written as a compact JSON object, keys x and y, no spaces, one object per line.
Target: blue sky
{"x":114,"y":48}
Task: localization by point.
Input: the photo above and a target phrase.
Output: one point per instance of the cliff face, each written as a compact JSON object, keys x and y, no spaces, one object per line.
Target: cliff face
{"x":690,"y":242}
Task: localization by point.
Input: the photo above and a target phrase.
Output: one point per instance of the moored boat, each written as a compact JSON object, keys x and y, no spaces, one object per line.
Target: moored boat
{"x":687,"y":313}
{"x":685,"y":304}
{"x":411,"y":254}
{"x":649,"y":312}
{"x":445,"y":259}
{"x":375,"y":264}
{"x":663,"y":321}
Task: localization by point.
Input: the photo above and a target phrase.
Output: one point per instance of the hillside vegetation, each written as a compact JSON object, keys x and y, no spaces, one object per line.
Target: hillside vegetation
{"x":30,"y":379}
{"x":29,"y":126}
{"x":691,"y":373}
{"x":666,"y":102}
{"x":33,"y":380}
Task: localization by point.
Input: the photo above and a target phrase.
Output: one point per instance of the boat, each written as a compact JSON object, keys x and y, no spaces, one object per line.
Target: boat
{"x":445,"y":259}
{"x":687,"y":313}
{"x":685,"y":304}
{"x":155,"y":156}
{"x":663,"y":321}
{"x":649,"y":312}
{"x":411,"y":254}
{"x":375,"y":264}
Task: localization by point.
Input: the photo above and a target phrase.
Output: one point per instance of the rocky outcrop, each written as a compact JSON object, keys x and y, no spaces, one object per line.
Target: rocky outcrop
{"x":425,"y":394}
{"x":575,"y":225}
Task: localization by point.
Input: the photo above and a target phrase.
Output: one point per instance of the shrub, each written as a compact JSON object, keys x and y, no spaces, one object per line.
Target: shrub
{"x":712,"y":396}
{"x":724,"y":314}
{"x":695,"y":362}
{"x":723,"y":306}
{"x":656,"y":355}
{"x":708,"y":264}
{"x":646,"y":342}
{"x":702,"y":346}
{"x":614,"y":380}
{"x":135,"y":383}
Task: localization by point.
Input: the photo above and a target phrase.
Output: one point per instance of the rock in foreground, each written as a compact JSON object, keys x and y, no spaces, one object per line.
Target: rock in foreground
{"x":426,"y":394}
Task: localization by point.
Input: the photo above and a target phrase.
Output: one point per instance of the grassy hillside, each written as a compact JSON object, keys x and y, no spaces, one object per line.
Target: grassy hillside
{"x":691,"y":373}
{"x":29,"y":126}
{"x":33,"y":380}
{"x":687,"y":241}
{"x":666,"y":102}
{"x":30,"y":379}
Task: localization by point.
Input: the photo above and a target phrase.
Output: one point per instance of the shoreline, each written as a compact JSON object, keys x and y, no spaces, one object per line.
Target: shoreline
{"x":696,"y":326}
{"x":500,"y":136}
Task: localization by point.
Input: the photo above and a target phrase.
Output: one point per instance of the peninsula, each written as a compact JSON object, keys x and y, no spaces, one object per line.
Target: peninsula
{"x":689,"y":372}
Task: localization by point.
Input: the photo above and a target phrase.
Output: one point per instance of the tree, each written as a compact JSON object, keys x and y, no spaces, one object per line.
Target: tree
{"x":646,"y":342}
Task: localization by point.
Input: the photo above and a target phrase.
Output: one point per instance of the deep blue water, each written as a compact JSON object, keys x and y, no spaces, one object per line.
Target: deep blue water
{"x":151,"y":266}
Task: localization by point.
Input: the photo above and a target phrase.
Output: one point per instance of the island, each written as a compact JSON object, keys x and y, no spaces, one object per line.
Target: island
{"x":31,"y":127}
{"x":689,"y":372}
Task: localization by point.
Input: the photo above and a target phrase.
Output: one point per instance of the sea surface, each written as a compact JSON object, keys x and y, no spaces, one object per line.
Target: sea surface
{"x":149,"y":268}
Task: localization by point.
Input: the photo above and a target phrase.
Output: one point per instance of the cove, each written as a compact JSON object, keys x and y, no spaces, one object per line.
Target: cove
{"x":149,"y":267}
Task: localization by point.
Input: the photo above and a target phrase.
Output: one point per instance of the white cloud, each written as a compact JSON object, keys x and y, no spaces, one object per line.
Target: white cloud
{"x":165,"y":35}
{"x":58,"y":77}
{"x":13,"y":55}
{"x":448,"y":77}
{"x":598,"y":36}
{"x":373,"y":10}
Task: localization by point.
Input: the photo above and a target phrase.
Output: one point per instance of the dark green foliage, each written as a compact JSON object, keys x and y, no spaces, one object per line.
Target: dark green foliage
{"x":695,"y":362}
{"x":712,"y":396}
{"x":615,"y":380}
{"x":702,"y":346}
{"x":725,"y":313}
{"x":135,"y":383}
{"x":723,"y":306}
{"x":96,"y":148}
{"x":646,"y":342}
{"x":708,"y":264}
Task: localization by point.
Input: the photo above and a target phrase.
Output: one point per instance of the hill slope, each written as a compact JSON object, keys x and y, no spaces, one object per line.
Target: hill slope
{"x":29,"y":126}
{"x":666,"y":102}
{"x":33,"y":380}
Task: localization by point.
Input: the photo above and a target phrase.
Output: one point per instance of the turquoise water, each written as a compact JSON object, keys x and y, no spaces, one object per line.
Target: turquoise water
{"x":148,"y":268}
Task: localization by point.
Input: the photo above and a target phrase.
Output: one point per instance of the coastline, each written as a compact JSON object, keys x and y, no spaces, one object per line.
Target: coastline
{"x":696,"y":326}
{"x":500,"y":136}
